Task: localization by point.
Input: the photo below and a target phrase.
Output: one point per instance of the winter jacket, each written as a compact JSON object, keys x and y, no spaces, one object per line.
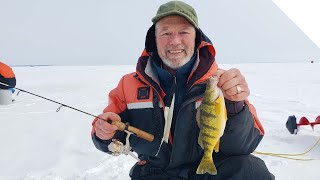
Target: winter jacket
{"x":139,"y":100}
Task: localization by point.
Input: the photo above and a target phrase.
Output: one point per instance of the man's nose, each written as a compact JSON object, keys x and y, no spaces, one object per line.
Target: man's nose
{"x":175,"y":39}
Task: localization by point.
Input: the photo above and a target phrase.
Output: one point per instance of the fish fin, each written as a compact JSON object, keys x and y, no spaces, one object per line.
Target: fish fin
{"x":200,"y":140}
{"x":207,"y":166}
{"x":217,"y":146}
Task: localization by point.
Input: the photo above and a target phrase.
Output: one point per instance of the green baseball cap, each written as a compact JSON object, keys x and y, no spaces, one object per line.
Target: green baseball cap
{"x":177,"y":8}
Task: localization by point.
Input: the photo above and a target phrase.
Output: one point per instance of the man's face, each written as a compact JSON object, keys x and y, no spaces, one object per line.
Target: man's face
{"x":175,"y":39}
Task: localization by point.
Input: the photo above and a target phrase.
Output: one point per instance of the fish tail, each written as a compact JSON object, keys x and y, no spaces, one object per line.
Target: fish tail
{"x":207,"y":166}
{"x":200,"y":140}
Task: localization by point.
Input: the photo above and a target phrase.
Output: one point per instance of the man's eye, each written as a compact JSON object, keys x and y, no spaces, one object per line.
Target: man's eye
{"x":165,"y":34}
{"x":184,"y":32}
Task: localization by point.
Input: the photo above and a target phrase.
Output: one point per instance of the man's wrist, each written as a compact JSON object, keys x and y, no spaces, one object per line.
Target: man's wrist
{"x":233,"y":107}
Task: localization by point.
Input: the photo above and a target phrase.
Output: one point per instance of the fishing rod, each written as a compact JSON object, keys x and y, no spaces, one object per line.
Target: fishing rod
{"x":121,"y":126}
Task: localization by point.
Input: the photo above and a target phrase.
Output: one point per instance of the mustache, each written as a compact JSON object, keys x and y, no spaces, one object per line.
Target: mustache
{"x":169,"y":48}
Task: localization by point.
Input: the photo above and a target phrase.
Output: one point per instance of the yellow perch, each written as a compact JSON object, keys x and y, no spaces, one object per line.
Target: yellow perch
{"x":212,"y":118}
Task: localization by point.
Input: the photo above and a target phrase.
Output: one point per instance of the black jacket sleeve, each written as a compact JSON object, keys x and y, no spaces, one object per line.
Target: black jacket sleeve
{"x":240,"y":135}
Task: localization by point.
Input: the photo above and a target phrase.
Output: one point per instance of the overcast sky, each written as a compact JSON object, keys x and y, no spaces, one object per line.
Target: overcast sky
{"x":101,"y":32}
{"x":305,"y":14}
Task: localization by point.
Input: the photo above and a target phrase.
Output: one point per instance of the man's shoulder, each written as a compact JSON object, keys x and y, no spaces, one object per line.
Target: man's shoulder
{"x":130,"y":76}
{"x":132,"y":79}
{"x":134,"y":82}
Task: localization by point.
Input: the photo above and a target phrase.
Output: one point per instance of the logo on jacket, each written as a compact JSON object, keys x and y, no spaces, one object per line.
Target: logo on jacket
{"x":143,"y":93}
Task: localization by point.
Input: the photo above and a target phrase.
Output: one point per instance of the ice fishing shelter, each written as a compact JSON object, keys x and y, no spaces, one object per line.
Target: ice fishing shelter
{"x":7,"y":77}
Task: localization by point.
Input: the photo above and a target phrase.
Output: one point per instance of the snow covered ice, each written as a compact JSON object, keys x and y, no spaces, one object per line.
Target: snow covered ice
{"x":39,"y":143}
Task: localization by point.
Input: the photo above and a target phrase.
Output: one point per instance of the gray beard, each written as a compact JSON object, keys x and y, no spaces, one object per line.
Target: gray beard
{"x":173,"y":65}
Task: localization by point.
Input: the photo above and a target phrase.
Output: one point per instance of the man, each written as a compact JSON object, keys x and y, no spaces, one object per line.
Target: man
{"x":177,"y":61}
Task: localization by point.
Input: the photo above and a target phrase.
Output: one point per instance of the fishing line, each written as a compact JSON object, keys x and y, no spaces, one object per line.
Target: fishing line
{"x":121,"y":126}
{"x":289,"y":155}
{"x":62,"y":105}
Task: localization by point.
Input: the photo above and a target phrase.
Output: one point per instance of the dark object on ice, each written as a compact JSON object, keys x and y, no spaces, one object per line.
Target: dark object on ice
{"x":292,"y":124}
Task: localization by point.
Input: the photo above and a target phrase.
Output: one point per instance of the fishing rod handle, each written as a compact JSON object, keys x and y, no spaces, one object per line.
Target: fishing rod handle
{"x":138,"y":132}
{"x":142,"y":134}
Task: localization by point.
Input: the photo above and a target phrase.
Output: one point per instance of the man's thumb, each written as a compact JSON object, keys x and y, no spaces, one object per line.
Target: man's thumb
{"x":218,"y":73}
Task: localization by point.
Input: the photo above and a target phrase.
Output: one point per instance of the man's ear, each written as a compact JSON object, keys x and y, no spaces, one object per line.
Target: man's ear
{"x":198,"y":39}
{"x":150,"y":43}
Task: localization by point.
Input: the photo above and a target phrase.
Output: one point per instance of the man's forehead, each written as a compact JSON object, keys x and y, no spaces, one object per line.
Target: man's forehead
{"x":173,"y":21}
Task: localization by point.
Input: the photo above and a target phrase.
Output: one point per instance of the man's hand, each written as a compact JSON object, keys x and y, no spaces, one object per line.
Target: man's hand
{"x":233,"y":84}
{"x":105,"y":130}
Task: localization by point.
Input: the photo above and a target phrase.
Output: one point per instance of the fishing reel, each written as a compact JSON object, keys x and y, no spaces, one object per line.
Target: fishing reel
{"x":292,"y":124}
{"x":117,"y":147}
